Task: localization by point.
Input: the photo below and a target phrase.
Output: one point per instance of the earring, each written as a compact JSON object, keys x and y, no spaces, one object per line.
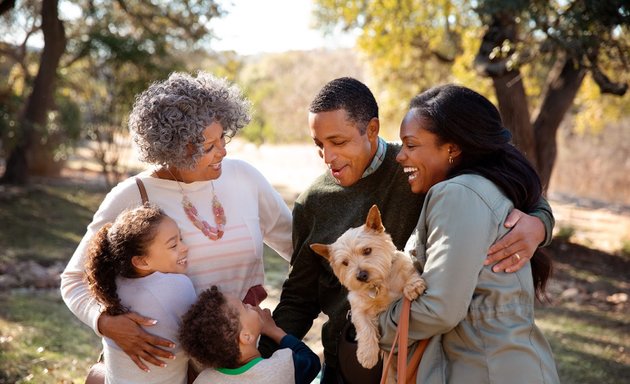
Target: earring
{"x":450,"y":159}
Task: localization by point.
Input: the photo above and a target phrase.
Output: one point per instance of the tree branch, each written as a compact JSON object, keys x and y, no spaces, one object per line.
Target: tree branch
{"x":606,"y":85}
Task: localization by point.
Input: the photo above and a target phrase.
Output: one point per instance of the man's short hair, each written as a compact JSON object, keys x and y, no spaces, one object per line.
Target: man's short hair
{"x":350,"y":95}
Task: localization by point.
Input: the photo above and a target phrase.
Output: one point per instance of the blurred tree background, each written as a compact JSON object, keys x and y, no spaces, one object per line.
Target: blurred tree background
{"x":541,"y":61}
{"x":534,"y":54}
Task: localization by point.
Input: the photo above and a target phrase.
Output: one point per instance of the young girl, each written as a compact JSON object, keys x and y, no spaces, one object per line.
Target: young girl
{"x":222,"y":333}
{"x":136,"y":264}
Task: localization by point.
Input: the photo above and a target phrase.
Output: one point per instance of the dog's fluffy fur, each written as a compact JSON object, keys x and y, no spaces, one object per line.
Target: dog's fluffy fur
{"x":366,"y":262}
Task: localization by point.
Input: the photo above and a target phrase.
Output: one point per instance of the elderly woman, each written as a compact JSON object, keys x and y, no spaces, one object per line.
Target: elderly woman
{"x":225,"y":208}
{"x":481,"y":323}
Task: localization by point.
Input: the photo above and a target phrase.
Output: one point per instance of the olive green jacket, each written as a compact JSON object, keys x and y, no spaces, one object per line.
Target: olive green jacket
{"x":481,"y":322}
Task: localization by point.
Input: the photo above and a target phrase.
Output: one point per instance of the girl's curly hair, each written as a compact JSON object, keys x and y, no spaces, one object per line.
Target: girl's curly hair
{"x":210,"y":329}
{"x":169,"y":118}
{"x":111,"y":249}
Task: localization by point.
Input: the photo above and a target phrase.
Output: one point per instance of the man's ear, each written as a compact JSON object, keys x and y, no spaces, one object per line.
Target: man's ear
{"x":373,"y":128}
{"x":140,"y":263}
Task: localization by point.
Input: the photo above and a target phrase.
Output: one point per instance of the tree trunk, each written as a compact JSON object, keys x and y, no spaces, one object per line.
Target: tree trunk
{"x":515,"y":113}
{"x":562,"y":85}
{"x":508,"y":86}
{"x":41,"y":98}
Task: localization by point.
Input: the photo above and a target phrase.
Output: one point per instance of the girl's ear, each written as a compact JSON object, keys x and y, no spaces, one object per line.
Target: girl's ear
{"x":139,"y":263}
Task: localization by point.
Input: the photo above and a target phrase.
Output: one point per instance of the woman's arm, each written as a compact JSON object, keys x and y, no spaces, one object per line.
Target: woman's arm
{"x":459,"y":229}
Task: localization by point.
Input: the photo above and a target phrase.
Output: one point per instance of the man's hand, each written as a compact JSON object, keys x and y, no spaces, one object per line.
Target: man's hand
{"x":126,"y":330}
{"x":517,"y":247}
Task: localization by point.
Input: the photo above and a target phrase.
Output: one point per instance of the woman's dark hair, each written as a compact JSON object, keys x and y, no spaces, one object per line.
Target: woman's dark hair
{"x":111,"y":249}
{"x":349,"y":94}
{"x":462,"y":116}
{"x":210,"y":329}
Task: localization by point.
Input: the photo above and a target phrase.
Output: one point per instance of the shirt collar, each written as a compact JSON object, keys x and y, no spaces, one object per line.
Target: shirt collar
{"x":381,"y":148}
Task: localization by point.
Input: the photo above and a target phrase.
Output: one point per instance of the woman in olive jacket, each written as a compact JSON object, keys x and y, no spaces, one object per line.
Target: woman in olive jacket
{"x":481,"y":323}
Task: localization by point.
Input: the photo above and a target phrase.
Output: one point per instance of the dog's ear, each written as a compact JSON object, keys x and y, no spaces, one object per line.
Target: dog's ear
{"x":322,"y":250}
{"x":373,"y":220}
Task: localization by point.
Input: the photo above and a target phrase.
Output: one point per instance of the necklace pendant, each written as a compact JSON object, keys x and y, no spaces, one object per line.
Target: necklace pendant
{"x":193,"y":215}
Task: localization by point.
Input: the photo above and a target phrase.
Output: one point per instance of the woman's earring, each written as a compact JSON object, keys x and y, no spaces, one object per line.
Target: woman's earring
{"x":450,"y":159}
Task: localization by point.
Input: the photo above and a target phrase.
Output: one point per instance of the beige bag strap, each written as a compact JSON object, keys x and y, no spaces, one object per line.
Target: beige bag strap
{"x":402,"y":338}
{"x":143,"y":191}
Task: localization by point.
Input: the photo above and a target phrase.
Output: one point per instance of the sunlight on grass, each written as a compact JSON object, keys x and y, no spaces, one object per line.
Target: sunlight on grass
{"x":589,"y":347}
{"x":46,"y":223}
{"x":41,"y":341}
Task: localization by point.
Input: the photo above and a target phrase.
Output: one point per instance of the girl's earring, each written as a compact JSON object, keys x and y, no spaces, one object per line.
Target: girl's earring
{"x":450,"y":159}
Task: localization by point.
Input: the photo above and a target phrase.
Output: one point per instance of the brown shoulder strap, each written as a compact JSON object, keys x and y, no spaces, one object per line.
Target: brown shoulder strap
{"x":143,"y":191}
{"x":402,"y":337}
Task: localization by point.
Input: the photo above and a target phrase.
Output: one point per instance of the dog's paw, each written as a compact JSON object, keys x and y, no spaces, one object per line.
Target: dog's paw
{"x":414,"y":288}
{"x":368,"y":356}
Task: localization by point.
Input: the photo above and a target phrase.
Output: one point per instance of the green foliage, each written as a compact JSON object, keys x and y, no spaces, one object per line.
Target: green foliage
{"x":113,"y":51}
{"x":9,"y":107}
{"x":412,"y":45}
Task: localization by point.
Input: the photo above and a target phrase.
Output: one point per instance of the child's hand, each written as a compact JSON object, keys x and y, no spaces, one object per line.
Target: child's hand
{"x":269,"y":327}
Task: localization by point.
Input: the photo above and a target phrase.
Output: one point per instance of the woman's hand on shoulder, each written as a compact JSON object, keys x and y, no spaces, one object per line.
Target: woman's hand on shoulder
{"x":126,"y":330}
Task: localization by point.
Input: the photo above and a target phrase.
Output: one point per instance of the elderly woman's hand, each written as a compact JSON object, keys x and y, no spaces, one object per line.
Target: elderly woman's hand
{"x":126,"y":330}
{"x":516,"y":248}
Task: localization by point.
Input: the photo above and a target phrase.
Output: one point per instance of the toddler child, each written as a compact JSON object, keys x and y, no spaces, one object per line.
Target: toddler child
{"x":137,"y":263}
{"x":221,"y":333}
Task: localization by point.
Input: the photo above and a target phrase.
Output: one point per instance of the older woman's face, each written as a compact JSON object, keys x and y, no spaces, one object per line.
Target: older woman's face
{"x":209,"y":165}
{"x":424,"y":160}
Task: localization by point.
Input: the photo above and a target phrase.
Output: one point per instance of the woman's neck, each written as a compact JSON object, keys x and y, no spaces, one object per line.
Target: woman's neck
{"x":172,"y":173}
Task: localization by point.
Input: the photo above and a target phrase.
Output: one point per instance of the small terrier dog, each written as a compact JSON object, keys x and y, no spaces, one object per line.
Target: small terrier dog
{"x":367,"y":263}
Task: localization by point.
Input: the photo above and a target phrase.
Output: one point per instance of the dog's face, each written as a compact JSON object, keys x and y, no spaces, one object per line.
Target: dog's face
{"x":361,"y":258}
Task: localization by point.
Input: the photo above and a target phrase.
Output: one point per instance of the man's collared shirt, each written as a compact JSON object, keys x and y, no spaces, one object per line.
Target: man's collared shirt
{"x":378,"y":158}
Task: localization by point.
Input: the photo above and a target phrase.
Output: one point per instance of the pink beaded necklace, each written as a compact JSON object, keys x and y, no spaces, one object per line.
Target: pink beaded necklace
{"x":212,"y":233}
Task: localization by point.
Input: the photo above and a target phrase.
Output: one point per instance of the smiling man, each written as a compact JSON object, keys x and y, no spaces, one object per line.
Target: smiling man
{"x":344,"y":125}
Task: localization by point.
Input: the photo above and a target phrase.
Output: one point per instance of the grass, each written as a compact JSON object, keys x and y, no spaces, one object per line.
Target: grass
{"x":45,"y":223}
{"x":42,"y":342}
{"x":590,"y":347}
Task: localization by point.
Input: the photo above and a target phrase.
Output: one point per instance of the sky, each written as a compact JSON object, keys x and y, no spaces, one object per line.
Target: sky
{"x":250,"y":27}
{"x":254,"y":26}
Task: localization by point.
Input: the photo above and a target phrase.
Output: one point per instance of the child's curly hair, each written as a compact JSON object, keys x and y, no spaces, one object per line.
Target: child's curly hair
{"x":111,"y":249}
{"x":210,"y":329}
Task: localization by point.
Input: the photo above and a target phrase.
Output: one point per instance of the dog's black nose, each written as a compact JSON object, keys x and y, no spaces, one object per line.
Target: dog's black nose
{"x":362,"y":276}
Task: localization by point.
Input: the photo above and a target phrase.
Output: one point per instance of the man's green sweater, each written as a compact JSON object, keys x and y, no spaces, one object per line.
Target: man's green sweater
{"x":320,"y":215}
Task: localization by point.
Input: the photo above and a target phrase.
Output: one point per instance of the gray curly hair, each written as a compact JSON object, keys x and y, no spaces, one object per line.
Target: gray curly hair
{"x":169,"y":118}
